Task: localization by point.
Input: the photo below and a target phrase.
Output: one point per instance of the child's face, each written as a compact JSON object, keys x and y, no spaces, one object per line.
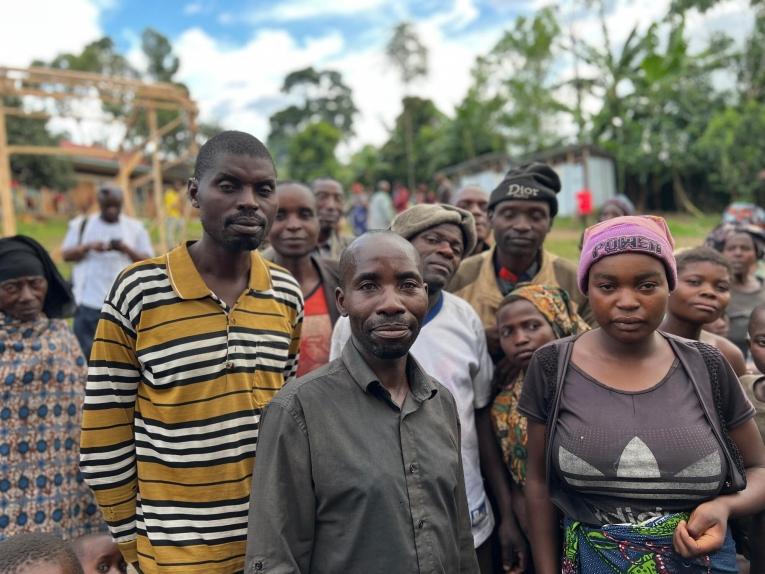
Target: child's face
{"x":100,"y":555}
{"x":522,"y":330}
{"x":757,"y":341}
{"x":702,"y":294}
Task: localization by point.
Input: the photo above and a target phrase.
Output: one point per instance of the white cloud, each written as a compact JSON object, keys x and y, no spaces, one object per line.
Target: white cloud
{"x":239,"y":86}
{"x":42,"y":29}
{"x":306,"y":9}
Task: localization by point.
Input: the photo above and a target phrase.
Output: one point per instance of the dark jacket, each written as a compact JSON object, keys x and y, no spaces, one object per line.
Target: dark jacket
{"x":708,"y":371}
{"x":329,"y":271}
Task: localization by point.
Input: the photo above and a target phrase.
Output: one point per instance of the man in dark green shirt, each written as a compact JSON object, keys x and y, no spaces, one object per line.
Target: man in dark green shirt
{"x":359,"y":466}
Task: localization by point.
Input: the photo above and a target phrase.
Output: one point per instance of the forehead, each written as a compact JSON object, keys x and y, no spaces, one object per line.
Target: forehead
{"x":758,"y":322}
{"x":241,"y":166}
{"x":295,"y":197}
{"x":450,"y":231}
{"x":517,"y":311}
{"x":383,"y":256}
{"x":706,"y":268}
{"x":627,"y":265}
{"x":523,"y":206}
{"x":331,"y":187}
{"x":472,"y":195}
{"x":739,"y":238}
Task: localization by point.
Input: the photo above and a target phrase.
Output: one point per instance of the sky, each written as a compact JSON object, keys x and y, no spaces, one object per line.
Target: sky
{"x":235,"y":53}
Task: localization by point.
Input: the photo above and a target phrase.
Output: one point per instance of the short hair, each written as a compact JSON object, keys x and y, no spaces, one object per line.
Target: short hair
{"x":348,"y":256}
{"x":290,"y":183}
{"x":701,"y":254}
{"x":326,"y":179}
{"x":30,"y":549}
{"x":756,"y":312}
{"x":238,"y":143}
{"x":106,"y":191}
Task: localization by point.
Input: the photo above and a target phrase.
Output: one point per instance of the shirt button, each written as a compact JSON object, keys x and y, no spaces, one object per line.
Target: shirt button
{"x":258,"y":566}
{"x":229,"y":365}
{"x":412,"y":468}
{"x":420,"y":524}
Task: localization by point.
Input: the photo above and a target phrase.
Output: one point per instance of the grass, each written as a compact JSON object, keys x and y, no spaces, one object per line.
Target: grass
{"x":563,"y":240}
{"x":688,"y":231}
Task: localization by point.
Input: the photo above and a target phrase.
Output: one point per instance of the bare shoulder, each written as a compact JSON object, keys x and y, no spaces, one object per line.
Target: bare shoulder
{"x":730,"y":351}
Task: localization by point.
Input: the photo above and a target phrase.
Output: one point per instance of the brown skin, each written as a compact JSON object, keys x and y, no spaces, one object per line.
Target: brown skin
{"x":44,"y":568}
{"x":522,"y":330}
{"x":441,"y":249}
{"x":701,"y":296}
{"x":237,"y":201}
{"x":629,"y":294}
{"x":476,"y":201}
{"x":719,"y":327}
{"x":329,"y":200}
{"x":23,"y":298}
{"x":385,"y":297}
{"x":610,"y":211}
{"x":740,"y":251}
{"x":98,"y":554}
{"x":111,"y":207}
{"x":757,"y":348}
{"x":520,"y":228}
{"x":294,"y":234}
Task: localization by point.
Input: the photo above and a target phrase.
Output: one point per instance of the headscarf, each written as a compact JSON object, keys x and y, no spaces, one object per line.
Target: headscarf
{"x":22,"y":256}
{"x":554,"y":304}
{"x":720,"y":234}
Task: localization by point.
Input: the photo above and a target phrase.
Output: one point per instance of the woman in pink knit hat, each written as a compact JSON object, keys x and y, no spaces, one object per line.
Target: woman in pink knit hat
{"x":644,"y":441}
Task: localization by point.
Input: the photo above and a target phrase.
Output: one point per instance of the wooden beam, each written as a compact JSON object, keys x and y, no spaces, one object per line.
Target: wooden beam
{"x":146,"y":178}
{"x":6,"y":193}
{"x":52,"y":150}
{"x":156,"y":171}
{"x":18,"y":112}
{"x":127,"y":165}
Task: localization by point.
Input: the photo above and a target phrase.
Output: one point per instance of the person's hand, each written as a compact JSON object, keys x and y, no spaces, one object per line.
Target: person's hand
{"x":96,"y":246}
{"x":704,"y":532}
{"x":513,"y":547}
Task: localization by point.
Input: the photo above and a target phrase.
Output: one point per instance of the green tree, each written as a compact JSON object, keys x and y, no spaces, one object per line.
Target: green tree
{"x":322,"y":96}
{"x":410,"y":56}
{"x":428,"y":128}
{"x":311,"y":152}
{"x":519,"y":71}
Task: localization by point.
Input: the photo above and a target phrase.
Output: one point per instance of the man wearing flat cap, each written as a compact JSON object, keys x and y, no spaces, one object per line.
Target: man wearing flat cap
{"x":447,"y":346}
{"x":521,"y":212}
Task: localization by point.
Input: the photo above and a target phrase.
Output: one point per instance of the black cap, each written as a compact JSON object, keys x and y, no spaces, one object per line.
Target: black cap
{"x":532,"y":182}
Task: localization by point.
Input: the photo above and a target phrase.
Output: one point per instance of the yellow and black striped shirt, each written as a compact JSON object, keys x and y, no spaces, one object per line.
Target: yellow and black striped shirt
{"x":176,"y":384}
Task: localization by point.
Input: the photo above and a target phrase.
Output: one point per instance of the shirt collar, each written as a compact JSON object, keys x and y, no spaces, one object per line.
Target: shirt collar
{"x":188,"y":283}
{"x":420,"y":384}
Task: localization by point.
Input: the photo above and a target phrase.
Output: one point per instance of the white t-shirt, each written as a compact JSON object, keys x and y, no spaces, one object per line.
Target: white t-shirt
{"x":451,"y":348}
{"x":93,"y":276}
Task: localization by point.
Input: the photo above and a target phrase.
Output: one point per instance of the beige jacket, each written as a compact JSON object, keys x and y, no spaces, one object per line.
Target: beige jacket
{"x":476,"y":283}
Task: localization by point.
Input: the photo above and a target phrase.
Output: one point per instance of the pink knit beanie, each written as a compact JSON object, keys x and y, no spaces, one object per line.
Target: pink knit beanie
{"x":646,"y":234}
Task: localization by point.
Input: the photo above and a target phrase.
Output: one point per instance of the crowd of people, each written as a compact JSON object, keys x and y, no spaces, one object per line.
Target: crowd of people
{"x":440,"y":393}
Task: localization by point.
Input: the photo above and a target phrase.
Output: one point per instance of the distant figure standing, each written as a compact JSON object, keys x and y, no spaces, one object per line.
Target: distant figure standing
{"x":444,"y":189}
{"x":101,"y":245}
{"x":584,"y":205}
{"x":329,"y":208}
{"x":172,"y":215}
{"x":475,"y":199}
{"x":381,"y":211}
{"x":617,"y":206}
{"x":358,"y":211}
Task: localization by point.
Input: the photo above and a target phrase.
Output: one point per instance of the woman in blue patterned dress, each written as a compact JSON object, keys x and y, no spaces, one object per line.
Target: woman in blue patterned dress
{"x":42,"y":381}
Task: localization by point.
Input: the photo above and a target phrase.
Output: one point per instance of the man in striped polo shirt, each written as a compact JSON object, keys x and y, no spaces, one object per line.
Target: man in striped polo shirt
{"x":189,"y":349}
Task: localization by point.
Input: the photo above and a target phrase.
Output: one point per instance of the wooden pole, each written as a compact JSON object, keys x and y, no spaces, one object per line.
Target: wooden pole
{"x":156,"y":168}
{"x":6,"y":194}
{"x":127,"y":165}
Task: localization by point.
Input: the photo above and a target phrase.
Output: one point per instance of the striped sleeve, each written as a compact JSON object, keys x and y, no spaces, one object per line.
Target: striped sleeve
{"x":107,"y":443}
{"x":287,"y":290}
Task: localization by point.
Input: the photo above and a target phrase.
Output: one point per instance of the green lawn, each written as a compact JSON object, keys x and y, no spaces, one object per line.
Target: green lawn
{"x":563,"y":240}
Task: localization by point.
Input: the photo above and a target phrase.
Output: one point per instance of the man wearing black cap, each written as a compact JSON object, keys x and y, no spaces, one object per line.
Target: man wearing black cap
{"x":521,"y":212}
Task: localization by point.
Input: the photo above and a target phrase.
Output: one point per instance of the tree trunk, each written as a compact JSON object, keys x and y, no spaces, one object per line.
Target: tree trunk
{"x":682,"y":201}
{"x":409,"y":142}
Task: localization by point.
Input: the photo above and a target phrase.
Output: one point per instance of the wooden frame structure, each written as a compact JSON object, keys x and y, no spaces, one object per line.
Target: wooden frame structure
{"x":131,"y":96}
